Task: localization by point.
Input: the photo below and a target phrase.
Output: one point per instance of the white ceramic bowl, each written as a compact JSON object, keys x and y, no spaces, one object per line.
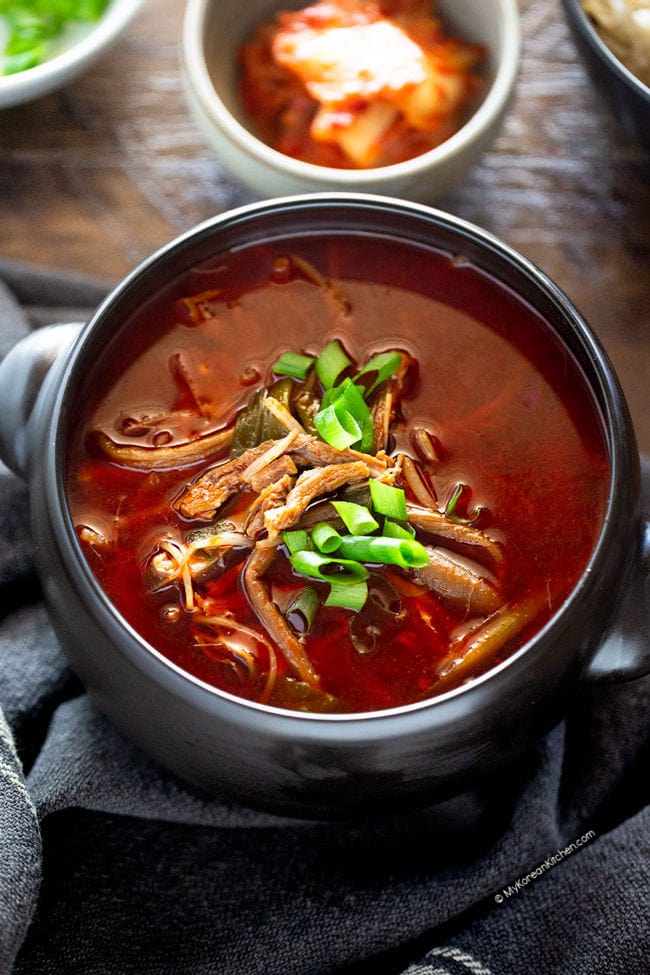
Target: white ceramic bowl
{"x":215,"y":29}
{"x":60,"y":70}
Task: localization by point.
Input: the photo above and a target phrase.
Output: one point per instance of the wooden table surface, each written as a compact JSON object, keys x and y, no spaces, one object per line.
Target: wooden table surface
{"x":94,"y":177}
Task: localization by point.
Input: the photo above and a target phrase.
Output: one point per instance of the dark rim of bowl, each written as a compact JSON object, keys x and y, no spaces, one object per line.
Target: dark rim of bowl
{"x":603,"y":383}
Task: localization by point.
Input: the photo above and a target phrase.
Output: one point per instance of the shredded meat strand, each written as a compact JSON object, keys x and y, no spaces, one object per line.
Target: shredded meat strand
{"x":270,"y":616}
{"x":311,"y":484}
{"x":273,"y":495}
{"x":417,"y":484}
{"x":484,"y":644}
{"x":435,"y":523}
{"x":312,"y":452}
{"x":273,"y":472}
{"x":171,"y":455}
{"x":381,"y":411}
{"x":204,"y":497}
{"x":464,"y":585}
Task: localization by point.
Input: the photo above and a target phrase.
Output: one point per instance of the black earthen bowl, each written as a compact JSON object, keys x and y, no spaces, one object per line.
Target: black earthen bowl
{"x":315,"y":765}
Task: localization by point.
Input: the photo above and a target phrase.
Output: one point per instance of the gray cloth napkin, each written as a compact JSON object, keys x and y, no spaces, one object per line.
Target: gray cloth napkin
{"x":109,"y":865}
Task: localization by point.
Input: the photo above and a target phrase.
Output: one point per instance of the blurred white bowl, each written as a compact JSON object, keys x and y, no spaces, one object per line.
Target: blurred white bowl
{"x":61,"y":69}
{"x":215,"y":29}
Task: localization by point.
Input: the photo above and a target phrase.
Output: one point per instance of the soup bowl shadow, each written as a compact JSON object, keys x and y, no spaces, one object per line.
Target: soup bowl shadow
{"x":316,"y":765}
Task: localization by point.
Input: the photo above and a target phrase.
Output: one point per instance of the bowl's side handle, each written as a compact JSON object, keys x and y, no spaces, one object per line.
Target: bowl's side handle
{"x":624,"y":654}
{"x":22,"y":374}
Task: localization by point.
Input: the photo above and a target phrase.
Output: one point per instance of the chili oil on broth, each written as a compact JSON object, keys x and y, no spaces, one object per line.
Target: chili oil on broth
{"x":500,"y":394}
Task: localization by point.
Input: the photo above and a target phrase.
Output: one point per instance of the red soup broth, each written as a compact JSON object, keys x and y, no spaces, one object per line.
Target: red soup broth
{"x":504,"y":403}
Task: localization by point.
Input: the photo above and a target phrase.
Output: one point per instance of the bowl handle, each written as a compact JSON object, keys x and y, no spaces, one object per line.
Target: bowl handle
{"x":624,"y":654}
{"x":23,"y":374}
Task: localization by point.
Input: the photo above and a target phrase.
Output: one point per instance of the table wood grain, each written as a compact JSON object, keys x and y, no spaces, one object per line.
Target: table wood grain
{"x":96,"y":176}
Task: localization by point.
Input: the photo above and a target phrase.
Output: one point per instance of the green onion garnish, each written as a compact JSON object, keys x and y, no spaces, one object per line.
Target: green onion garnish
{"x":331,"y":363}
{"x":301,"y":612}
{"x":337,"y":426}
{"x":388,"y":500}
{"x":312,"y":564}
{"x":352,"y":397}
{"x":293,"y":364}
{"x":394,"y":530}
{"x":296,"y":541}
{"x":344,"y":406}
{"x":367,"y":436}
{"x":351,"y":595}
{"x":325,"y":538}
{"x":406,"y":553}
{"x":450,"y":510}
{"x":383,"y":364}
{"x":356,"y":518}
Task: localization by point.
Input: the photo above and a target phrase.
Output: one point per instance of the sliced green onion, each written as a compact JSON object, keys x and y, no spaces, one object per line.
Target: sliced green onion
{"x":450,"y":510}
{"x":383,"y":364}
{"x":312,"y":564}
{"x":296,"y":541}
{"x":367,"y":436}
{"x":325,"y":538}
{"x":293,"y":364}
{"x":337,"y":426}
{"x":356,"y":518}
{"x":301,"y":612}
{"x":348,"y":595}
{"x":346,"y":403}
{"x":392,"y":529}
{"x":388,"y":500}
{"x":331,"y":363}
{"x":329,"y":396}
{"x":352,"y":397}
{"x":407,"y":553}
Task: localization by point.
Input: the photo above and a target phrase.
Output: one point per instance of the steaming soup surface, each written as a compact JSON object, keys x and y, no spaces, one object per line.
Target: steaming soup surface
{"x":196,"y":497}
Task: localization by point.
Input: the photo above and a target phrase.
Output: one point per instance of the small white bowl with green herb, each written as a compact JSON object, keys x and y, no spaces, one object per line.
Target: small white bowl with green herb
{"x":45,"y":44}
